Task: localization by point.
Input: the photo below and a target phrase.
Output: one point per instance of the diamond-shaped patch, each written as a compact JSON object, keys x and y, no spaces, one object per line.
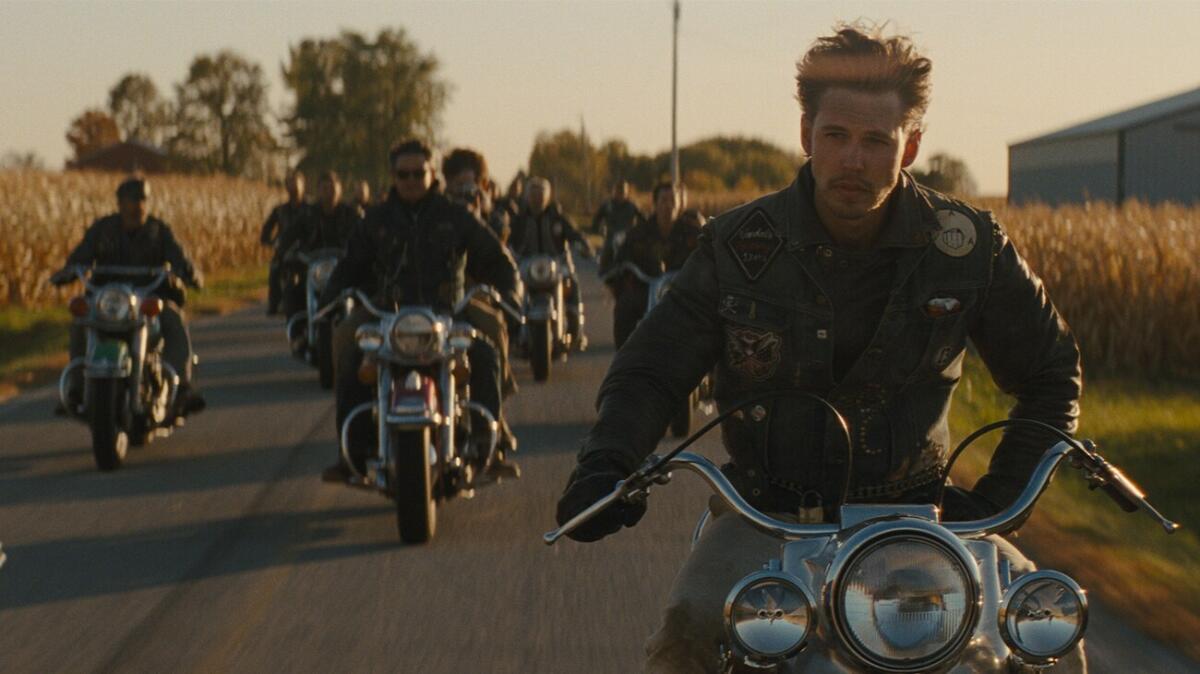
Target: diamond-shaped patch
{"x":754,"y":244}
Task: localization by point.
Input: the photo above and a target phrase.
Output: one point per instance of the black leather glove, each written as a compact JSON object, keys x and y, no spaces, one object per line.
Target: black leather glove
{"x":62,"y":277}
{"x":594,"y":478}
{"x":963,"y":505}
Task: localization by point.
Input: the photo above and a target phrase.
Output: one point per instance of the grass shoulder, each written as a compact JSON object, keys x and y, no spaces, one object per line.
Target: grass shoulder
{"x":1151,"y":429}
{"x":35,"y":339}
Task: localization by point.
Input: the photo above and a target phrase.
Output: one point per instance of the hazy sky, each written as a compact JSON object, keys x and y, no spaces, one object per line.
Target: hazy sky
{"x":1003,"y":71}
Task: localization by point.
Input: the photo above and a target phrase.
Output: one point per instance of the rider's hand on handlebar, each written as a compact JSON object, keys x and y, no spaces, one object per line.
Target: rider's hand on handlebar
{"x":963,"y":505}
{"x":62,"y":277}
{"x":594,"y":478}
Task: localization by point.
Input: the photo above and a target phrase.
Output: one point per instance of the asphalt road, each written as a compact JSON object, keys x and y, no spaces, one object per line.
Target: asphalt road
{"x":219,"y":550}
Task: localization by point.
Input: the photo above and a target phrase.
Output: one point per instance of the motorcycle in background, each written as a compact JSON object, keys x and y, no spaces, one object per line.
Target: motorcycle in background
{"x":433,"y":442}
{"x":129,"y":388}
{"x":313,"y":329}
{"x":890,"y":587}
{"x":545,"y":333}
{"x":700,"y":400}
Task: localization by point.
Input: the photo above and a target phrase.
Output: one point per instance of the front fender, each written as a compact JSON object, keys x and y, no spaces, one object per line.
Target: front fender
{"x":108,"y":358}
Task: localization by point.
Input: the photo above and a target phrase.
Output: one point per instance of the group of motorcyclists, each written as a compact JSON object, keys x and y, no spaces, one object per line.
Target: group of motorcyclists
{"x":911,"y":273}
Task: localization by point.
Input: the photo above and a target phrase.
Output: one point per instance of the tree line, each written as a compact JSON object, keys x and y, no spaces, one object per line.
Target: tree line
{"x":348,"y":92}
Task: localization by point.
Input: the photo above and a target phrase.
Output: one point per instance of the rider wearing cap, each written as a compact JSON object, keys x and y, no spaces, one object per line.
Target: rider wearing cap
{"x":132,"y":237}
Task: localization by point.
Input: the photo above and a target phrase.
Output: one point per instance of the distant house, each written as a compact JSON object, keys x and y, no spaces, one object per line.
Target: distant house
{"x":125,"y":157}
{"x":1150,"y":153}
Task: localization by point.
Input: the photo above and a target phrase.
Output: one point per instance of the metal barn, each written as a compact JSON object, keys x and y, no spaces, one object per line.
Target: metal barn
{"x":1150,"y":153}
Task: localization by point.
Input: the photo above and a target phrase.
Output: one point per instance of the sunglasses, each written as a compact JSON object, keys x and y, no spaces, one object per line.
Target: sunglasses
{"x":410,"y":175}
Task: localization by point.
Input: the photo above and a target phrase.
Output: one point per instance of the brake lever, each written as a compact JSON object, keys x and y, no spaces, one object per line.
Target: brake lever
{"x":1122,"y":490}
{"x":633,"y":489}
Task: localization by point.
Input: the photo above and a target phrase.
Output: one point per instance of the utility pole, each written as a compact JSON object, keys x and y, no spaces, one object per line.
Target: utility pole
{"x":675,"y":97}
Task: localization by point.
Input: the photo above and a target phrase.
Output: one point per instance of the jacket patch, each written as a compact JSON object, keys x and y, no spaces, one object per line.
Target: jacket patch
{"x":751,"y":352}
{"x":754,"y":244}
{"x":956,"y":234}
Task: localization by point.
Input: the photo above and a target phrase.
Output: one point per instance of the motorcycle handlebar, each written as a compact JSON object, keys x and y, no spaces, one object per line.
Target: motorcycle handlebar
{"x":492,"y":294}
{"x":631,"y":268}
{"x":86,"y":273}
{"x":638,"y":483}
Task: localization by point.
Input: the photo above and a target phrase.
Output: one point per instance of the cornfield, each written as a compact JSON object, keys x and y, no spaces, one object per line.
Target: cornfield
{"x":44,"y":215}
{"x":1123,"y":277}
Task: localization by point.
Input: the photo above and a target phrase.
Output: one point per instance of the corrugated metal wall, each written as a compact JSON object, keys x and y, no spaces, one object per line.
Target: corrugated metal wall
{"x":1064,"y":171}
{"x":1162,"y":160}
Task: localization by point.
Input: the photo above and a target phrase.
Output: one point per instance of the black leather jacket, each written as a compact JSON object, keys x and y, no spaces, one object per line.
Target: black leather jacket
{"x":419,"y":254}
{"x":750,"y":302}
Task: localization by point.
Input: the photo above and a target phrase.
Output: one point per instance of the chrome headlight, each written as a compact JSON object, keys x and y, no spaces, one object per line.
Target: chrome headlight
{"x":1042,"y":616}
{"x":905,"y":598}
{"x":415,"y":336}
{"x":369,"y":337}
{"x":541,"y":270}
{"x":114,"y":304}
{"x":320,"y":271}
{"x":769,"y":615}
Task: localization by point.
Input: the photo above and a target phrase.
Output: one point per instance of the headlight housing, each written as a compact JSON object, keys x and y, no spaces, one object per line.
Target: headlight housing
{"x":1042,"y":616}
{"x":114,"y":304}
{"x":369,"y":337}
{"x":770,"y":615}
{"x":320,"y":271}
{"x":415,"y":335}
{"x":541,"y":270}
{"x":905,"y":597}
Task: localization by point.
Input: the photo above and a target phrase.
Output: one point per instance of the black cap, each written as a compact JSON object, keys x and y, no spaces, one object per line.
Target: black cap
{"x":133,"y":188}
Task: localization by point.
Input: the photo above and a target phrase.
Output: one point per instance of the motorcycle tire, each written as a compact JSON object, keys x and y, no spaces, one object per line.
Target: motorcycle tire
{"x":541,"y":350}
{"x":681,"y":423}
{"x":110,"y":443}
{"x":412,"y":480}
{"x":325,"y":355}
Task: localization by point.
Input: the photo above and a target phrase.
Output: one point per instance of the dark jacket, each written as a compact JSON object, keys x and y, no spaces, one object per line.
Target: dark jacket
{"x":750,"y":302}
{"x":281,"y":219}
{"x":420,"y":254}
{"x":653,"y":253}
{"x":545,"y":234}
{"x":318,"y":229}
{"x":615,"y":216}
{"x":107,"y":243}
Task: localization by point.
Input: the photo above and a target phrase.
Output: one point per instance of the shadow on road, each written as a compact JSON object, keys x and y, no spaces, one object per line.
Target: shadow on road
{"x":92,"y":566}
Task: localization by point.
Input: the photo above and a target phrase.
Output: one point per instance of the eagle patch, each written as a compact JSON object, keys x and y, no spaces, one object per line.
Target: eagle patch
{"x":753,"y":353}
{"x":754,"y":244}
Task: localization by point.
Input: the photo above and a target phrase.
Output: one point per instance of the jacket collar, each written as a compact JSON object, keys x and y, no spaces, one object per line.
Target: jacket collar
{"x":910,"y":223}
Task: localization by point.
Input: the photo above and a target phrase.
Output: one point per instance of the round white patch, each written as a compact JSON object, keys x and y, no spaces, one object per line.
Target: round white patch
{"x":956,"y":236}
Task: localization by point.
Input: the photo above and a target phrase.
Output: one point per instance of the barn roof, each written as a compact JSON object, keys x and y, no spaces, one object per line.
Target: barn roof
{"x":1118,"y":121}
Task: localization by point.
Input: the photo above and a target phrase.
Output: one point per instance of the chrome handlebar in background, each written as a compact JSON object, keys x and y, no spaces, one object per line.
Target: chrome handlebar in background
{"x":85,"y":275}
{"x":629,"y":267}
{"x":637,"y":485}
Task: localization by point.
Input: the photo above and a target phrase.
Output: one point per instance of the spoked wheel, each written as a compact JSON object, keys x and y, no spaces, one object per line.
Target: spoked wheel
{"x":412,"y":479}
{"x":324,"y":348}
{"x":541,"y":349}
{"x":110,"y":443}
{"x":681,"y":423}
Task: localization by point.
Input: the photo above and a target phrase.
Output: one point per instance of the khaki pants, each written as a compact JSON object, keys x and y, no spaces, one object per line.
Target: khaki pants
{"x":693,"y":628}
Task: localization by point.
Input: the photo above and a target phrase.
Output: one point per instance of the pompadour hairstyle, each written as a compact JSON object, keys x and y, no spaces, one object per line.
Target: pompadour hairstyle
{"x":859,"y":57}
{"x":465,"y":159}
{"x":412,"y":146}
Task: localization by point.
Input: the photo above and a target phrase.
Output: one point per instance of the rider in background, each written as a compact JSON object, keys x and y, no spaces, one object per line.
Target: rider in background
{"x":132,"y":237}
{"x":659,"y":244}
{"x":541,"y":228}
{"x":616,"y":215}
{"x":282,"y":217}
{"x":415,"y":248}
{"x":326,"y":224}
{"x":468,"y":184}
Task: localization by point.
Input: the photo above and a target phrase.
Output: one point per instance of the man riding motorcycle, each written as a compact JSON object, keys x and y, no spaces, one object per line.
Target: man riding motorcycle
{"x":660,"y":244}
{"x":326,"y":224}
{"x":281,"y":219}
{"x":541,"y":228}
{"x":133,"y":237}
{"x":416,"y":248}
{"x":855,"y":284}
